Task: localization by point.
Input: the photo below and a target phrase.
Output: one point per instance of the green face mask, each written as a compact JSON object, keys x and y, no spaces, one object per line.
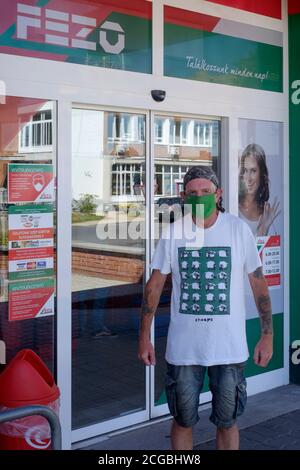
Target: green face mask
{"x":209,"y":202}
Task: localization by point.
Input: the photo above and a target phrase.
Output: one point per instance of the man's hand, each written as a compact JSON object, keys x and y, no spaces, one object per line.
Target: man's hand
{"x":153,"y":290}
{"x":263,"y":351}
{"x":146,"y":352}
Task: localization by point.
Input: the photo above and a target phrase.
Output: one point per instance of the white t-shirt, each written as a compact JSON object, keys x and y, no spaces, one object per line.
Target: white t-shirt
{"x":208,"y":324}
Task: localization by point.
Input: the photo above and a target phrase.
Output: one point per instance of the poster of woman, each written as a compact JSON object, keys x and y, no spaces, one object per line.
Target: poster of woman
{"x":254,"y":192}
{"x":261,"y":200}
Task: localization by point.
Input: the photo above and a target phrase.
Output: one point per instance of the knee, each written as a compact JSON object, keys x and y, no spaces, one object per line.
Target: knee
{"x":182,"y":429}
{"x":227,"y":430}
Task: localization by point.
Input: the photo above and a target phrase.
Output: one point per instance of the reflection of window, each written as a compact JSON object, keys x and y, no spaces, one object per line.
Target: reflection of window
{"x":185,"y":132}
{"x":126,"y":178}
{"x":158,"y":125}
{"x":124,"y":127}
{"x":37,"y":133}
{"x":168,"y":179}
{"x":203,"y":134}
{"x":172,"y":132}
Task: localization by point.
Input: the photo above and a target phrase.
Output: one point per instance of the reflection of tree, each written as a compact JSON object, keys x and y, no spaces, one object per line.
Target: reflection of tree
{"x":85,"y":204}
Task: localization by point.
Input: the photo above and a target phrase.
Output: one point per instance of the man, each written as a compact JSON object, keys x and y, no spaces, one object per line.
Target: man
{"x":207,"y":326}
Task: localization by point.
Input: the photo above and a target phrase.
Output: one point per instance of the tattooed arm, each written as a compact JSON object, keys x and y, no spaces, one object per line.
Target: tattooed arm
{"x":264,"y":349}
{"x":151,"y":298}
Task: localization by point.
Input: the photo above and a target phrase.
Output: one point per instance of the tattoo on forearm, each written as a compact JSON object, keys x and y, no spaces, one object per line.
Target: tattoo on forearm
{"x":258,"y":273}
{"x":265,"y":313}
{"x":146,"y":309}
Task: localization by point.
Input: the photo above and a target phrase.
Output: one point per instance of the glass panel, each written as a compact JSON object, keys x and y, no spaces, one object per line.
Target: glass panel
{"x":27,"y":224}
{"x":108,"y":256}
{"x":182,"y":143}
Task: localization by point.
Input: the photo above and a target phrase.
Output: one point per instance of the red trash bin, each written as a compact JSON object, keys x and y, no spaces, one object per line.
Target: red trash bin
{"x":26,"y":380}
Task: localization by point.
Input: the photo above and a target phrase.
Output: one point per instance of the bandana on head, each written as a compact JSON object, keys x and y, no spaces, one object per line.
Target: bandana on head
{"x":203,"y":172}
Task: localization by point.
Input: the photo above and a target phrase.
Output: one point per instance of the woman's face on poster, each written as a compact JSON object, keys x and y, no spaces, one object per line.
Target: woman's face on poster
{"x":251,"y":176}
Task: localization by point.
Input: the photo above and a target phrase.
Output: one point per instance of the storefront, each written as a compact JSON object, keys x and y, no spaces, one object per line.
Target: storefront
{"x":92,"y":163}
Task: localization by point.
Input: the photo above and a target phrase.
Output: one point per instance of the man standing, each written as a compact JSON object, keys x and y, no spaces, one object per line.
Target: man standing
{"x":207,"y":326}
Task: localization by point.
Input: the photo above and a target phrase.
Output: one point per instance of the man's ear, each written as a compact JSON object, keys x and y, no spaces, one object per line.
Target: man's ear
{"x":182,"y":194}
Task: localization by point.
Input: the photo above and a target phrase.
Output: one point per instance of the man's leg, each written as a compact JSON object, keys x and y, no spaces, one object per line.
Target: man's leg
{"x":228,"y":438}
{"x":228,"y":387}
{"x":183,"y":387}
{"x":181,"y":438}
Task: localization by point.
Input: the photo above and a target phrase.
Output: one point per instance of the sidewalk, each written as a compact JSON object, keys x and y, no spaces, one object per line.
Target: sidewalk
{"x":281,"y":433}
{"x":271,"y":421}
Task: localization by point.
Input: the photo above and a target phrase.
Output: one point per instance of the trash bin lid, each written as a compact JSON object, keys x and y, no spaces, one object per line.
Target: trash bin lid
{"x":27,"y":380}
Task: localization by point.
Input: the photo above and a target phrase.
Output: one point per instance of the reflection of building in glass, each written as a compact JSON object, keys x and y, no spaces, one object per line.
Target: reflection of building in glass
{"x":169,"y":178}
{"x":183,"y":131}
{"x":127,"y":179}
{"x":36,"y":135}
{"x":122,"y":127}
{"x":109,"y":153}
{"x":179,"y":144}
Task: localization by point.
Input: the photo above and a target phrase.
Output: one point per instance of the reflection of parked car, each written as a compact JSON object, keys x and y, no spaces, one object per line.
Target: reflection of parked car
{"x":168,"y":208}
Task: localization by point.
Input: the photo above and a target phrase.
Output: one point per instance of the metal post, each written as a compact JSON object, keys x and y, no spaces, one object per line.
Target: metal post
{"x":31,"y":410}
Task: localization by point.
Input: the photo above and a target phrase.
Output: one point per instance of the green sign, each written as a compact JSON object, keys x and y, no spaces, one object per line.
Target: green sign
{"x":294,"y":76}
{"x":220,"y":51}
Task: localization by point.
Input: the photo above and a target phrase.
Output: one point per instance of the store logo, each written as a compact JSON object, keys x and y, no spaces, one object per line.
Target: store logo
{"x":21,"y":266}
{"x":31,"y":265}
{"x":107,"y":46}
{"x":50,"y":22}
{"x":296,"y":94}
{"x":296,"y":354}
{"x":41,"y":264}
{"x":33,"y":438}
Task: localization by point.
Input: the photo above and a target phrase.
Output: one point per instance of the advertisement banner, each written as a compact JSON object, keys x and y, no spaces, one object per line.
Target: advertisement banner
{"x":261,"y":201}
{"x":30,"y":241}
{"x":30,"y":183}
{"x":269,"y":251}
{"x":31,"y":299}
{"x":212,"y":49}
{"x":107,"y":33}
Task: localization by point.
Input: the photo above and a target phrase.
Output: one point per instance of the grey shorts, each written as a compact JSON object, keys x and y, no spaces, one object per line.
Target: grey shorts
{"x":226,"y":382}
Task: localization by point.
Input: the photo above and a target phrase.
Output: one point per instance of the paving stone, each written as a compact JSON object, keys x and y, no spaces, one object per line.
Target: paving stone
{"x":281,"y":433}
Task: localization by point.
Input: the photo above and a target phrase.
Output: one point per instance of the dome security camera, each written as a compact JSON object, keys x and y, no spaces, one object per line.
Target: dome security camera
{"x":158,"y":95}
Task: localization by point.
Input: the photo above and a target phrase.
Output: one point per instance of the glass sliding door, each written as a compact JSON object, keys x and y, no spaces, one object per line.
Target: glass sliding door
{"x":108,"y":264}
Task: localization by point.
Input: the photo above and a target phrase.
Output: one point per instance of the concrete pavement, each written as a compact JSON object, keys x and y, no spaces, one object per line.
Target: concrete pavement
{"x":271,"y":421}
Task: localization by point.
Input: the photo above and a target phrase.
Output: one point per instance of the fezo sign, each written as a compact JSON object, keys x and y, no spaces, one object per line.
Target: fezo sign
{"x":66,"y":29}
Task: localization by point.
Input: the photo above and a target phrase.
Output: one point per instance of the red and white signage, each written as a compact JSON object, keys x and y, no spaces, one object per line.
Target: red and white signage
{"x":31,"y":299}
{"x":30,"y":183}
{"x":270,"y":252}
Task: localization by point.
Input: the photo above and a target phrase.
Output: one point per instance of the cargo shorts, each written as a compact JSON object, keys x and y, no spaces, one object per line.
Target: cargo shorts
{"x":227,"y":384}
